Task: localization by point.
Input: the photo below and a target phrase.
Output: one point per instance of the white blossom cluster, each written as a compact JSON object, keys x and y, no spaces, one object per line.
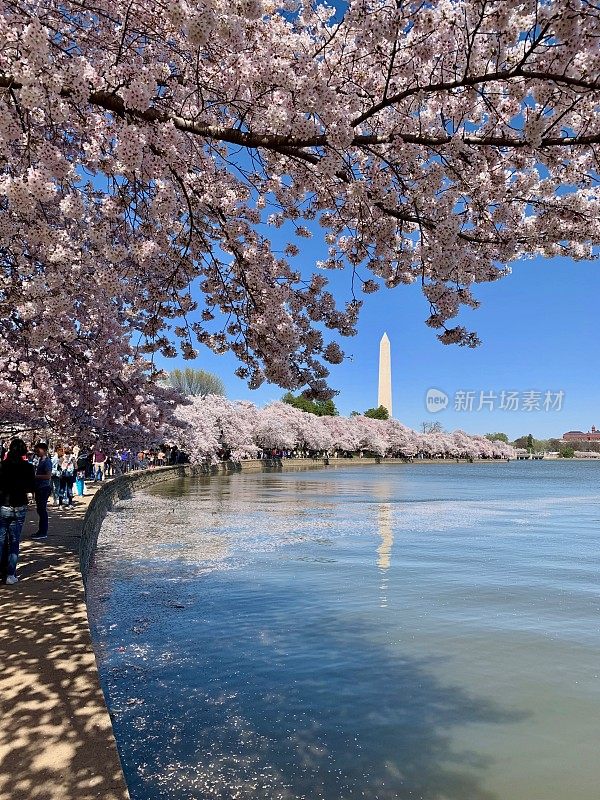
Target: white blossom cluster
{"x":214,"y":427}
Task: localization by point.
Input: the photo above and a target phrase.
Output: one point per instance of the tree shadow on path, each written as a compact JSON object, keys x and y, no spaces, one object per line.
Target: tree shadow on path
{"x":56,"y":740}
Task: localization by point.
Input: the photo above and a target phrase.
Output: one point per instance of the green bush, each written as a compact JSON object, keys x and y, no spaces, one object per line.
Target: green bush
{"x":566,"y":452}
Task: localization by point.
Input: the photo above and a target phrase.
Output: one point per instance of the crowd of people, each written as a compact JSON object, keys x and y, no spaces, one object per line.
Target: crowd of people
{"x":57,"y":474}
{"x":20,"y":477}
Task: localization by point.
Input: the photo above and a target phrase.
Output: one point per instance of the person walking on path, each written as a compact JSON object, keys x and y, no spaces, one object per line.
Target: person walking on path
{"x":82,"y":465}
{"x":67,"y":478}
{"x":99,"y":462}
{"x":43,"y":488}
{"x":56,"y":473}
{"x":17,"y":481}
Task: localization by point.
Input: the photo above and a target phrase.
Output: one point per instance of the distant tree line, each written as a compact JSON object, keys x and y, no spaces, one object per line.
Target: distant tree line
{"x":321,"y":408}
{"x":553,"y":445}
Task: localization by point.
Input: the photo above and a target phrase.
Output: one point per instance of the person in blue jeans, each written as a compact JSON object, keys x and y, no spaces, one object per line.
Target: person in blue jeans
{"x":43,"y":489}
{"x":67,"y":479}
{"x":17,"y":481}
{"x":56,"y":472}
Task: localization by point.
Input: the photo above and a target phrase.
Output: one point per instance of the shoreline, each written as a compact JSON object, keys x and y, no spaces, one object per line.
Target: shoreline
{"x":57,"y":741}
{"x":56,"y":738}
{"x":122,"y":487}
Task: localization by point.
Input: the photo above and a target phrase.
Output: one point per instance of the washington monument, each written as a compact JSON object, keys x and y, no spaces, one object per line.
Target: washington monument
{"x":385,"y":374}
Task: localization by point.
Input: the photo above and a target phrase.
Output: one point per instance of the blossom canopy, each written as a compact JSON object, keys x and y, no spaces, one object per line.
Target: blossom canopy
{"x":163,"y":161}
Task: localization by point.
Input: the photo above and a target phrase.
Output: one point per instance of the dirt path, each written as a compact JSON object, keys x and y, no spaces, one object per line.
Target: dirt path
{"x":56,"y":738}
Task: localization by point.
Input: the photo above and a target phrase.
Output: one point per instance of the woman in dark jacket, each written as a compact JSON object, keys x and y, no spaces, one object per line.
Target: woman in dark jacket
{"x":17,"y":480}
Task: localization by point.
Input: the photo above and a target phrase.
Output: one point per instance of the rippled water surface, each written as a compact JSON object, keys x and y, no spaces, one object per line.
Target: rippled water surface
{"x":362,"y":632}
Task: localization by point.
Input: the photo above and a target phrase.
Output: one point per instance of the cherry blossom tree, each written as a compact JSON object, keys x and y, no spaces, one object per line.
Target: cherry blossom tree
{"x":210,"y":426}
{"x":370,"y":434}
{"x":235,"y":422}
{"x":401,"y":439}
{"x":213,"y":426}
{"x":162,"y":163}
{"x":344,"y":437}
{"x":276,"y":428}
{"x":95,"y":391}
{"x":312,"y":434}
{"x":463,"y":443}
{"x":451,"y":446}
{"x":197,"y":433}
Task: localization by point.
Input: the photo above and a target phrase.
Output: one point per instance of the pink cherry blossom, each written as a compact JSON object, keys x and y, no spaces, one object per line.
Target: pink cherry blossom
{"x":164,"y":164}
{"x":209,"y":426}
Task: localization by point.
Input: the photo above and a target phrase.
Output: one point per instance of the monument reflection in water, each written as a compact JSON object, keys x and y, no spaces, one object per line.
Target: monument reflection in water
{"x":375,"y":632}
{"x":386,"y":533}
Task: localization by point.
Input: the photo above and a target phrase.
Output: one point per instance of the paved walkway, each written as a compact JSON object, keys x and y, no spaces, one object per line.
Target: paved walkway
{"x":56,"y":739}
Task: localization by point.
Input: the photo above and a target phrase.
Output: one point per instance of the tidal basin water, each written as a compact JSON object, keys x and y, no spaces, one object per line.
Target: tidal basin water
{"x":363,"y":632}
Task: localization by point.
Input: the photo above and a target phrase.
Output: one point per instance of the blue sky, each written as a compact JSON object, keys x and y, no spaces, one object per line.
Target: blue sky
{"x":540,"y":333}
